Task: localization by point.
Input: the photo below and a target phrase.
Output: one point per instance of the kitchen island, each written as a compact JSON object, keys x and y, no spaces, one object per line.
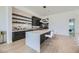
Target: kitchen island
{"x":20,"y":34}
{"x":33,"y":39}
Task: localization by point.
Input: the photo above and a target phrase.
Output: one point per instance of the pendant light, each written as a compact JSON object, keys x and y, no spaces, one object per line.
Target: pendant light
{"x":44,"y":20}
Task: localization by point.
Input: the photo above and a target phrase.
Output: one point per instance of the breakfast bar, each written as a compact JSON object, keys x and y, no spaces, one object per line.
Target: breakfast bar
{"x":33,"y":39}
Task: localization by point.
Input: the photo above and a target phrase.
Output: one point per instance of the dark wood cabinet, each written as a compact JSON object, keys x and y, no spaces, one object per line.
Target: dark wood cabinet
{"x":18,"y":35}
{"x":43,"y":38}
{"x":35,"y":21}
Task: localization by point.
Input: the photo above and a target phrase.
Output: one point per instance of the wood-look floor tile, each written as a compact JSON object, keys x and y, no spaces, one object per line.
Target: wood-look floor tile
{"x":59,"y":44}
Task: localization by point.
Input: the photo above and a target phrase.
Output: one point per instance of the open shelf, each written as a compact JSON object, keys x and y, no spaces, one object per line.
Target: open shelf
{"x":19,"y":18}
{"x":20,"y":22}
{"x":20,"y":15}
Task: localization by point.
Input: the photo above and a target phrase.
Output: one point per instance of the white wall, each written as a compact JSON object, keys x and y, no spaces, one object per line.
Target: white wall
{"x":77,"y":22}
{"x":59,"y":22}
{"x":5,"y":22}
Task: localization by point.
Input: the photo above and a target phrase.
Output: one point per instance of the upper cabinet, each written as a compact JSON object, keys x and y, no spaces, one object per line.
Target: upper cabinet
{"x":35,"y":21}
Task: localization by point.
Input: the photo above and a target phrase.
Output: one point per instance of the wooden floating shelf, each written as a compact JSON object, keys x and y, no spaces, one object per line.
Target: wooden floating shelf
{"x":21,"y":22}
{"x":20,"y":15}
{"x":20,"y":19}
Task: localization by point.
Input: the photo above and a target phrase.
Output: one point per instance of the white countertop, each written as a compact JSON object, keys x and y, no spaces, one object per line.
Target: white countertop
{"x":39,"y":31}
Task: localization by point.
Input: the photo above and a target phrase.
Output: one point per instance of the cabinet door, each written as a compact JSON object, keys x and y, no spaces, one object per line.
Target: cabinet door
{"x":18,"y":35}
{"x":43,"y":38}
{"x":35,"y":21}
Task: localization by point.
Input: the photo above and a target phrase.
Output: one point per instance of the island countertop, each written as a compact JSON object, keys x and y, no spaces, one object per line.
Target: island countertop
{"x":39,"y":31}
{"x":29,"y":30}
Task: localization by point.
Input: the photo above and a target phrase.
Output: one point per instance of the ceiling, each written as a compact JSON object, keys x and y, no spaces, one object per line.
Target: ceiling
{"x":51,"y":9}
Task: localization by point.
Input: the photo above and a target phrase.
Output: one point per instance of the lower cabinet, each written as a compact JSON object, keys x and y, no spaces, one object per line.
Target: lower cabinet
{"x":18,"y":35}
{"x":43,"y":38}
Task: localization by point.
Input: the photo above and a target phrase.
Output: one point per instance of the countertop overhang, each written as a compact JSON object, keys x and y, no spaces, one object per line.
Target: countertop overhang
{"x":38,"y":29}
